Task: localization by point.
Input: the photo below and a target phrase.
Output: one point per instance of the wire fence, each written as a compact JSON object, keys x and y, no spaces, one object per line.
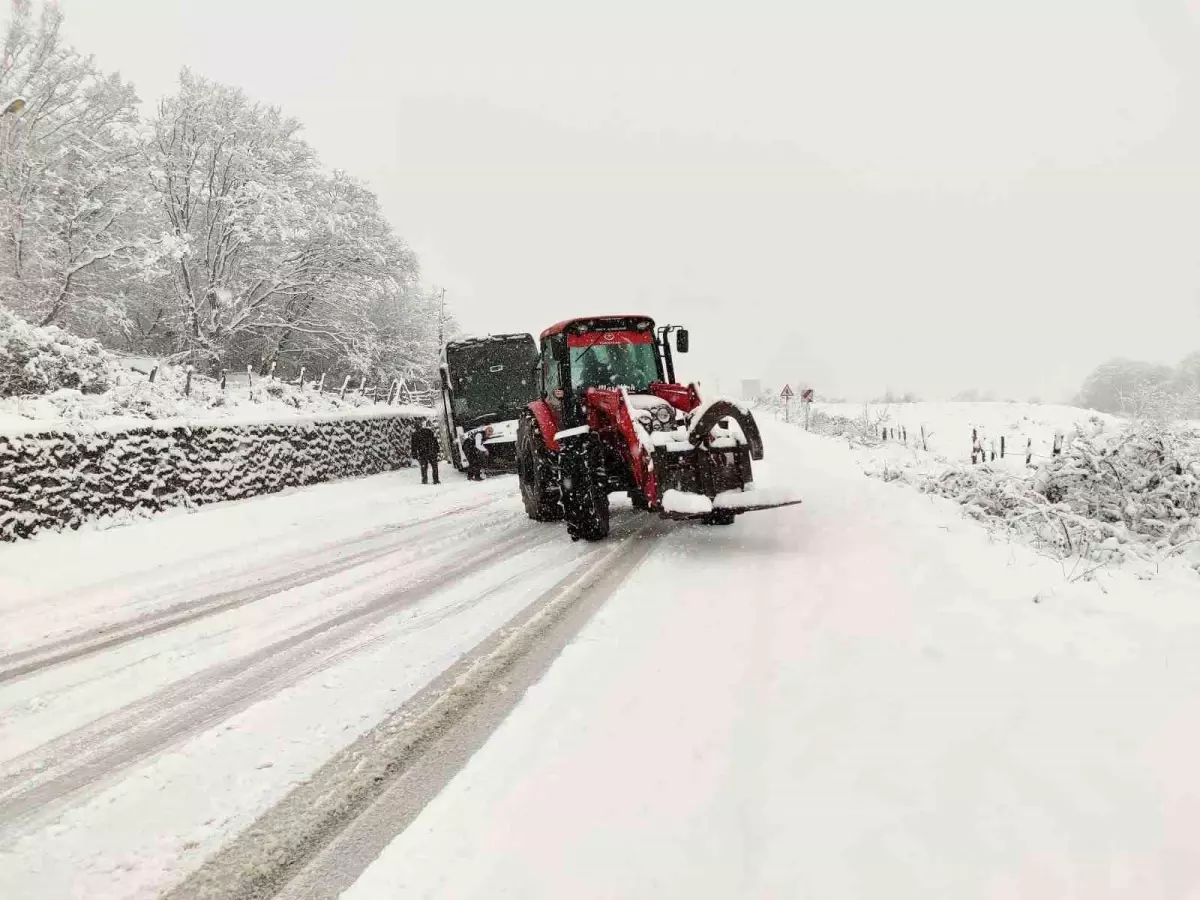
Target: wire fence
{"x":978,"y":446}
{"x":400,"y":391}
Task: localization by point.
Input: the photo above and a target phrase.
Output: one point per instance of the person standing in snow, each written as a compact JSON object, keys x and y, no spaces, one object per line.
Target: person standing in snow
{"x":425,"y":450}
{"x":474,"y":453}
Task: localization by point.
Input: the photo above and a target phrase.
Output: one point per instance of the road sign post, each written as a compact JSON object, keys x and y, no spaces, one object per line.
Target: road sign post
{"x":786,"y":395}
{"x":806,"y":397}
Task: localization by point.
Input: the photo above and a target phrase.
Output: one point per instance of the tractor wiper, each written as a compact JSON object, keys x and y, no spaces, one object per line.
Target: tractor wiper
{"x":586,"y":350}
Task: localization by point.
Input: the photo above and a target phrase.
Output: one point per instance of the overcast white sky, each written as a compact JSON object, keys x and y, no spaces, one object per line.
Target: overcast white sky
{"x":928,"y":195}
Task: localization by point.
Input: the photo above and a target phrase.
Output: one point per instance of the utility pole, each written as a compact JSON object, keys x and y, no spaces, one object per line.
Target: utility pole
{"x":442,"y":319}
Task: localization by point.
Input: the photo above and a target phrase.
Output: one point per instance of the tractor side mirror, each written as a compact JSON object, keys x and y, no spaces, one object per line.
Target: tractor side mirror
{"x":681,"y":341}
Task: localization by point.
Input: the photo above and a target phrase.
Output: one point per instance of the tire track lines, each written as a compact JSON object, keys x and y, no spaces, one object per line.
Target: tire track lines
{"x":47,"y":776}
{"x":106,"y":637}
{"x":315,"y":841}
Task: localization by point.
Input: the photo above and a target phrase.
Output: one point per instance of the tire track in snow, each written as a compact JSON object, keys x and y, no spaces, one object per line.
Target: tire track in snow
{"x":106,"y":637}
{"x":44,"y":778}
{"x":315,"y":841}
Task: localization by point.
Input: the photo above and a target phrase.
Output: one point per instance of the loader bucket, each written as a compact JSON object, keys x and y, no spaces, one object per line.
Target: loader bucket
{"x":723,"y":409}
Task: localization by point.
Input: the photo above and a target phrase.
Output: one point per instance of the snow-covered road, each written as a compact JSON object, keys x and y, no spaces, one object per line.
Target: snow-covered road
{"x":861,"y":696}
{"x":162,"y":685}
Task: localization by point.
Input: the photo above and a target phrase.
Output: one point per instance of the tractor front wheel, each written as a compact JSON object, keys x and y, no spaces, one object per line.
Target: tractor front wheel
{"x":585,"y":489}
{"x":719,"y":517}
{"x":535,"y":471}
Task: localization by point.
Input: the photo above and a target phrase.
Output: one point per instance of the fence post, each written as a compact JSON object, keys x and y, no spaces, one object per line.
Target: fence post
{"x":362,"y":388}
{"x":1029,"y":452}
{"x":924,"y":445}
{"x":271,"y":371}
{"x":187,"y":384}
{"x":224,"y":372}
{"x":394,"y":392}
{"x":375,"y":394}
{"x":1002,"y":446}
{"x":302,"y":378}
{"x":153,"y":372}
{"x":249,"y":375}
{"x":345,"y":384}
{"x":321,"y":384}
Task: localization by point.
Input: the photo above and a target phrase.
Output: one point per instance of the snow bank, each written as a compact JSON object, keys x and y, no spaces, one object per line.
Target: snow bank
{"x":134,"y":400}
{"x":50,"y":380}
{"x":1107,"y":496}
{"x":1117,"y":491}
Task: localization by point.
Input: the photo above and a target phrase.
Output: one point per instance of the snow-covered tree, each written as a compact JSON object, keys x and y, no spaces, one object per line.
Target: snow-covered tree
{"x":73,"y":203}
{"x":364,"y":271}
{"x":1112,"y":386}
{"x":1187,"y":383}
{"x":268,"y":257}
{"x":210,"y":234}
{"x":229,"y":176}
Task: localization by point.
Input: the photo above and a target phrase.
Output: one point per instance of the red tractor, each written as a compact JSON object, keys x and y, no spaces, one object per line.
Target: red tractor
{"x":609,"y":417}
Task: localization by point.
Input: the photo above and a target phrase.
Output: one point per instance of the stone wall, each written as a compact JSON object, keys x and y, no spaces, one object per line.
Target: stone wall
{"x":63,"y":478}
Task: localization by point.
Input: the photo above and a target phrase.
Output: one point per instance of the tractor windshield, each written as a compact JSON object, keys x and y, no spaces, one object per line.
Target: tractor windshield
{"x":631,"y":366}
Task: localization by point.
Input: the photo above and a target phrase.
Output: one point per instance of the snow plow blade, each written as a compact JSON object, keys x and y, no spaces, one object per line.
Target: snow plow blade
{"x":681,"y":506}
{"x":757,"y":506}
{"x":684,"y":517}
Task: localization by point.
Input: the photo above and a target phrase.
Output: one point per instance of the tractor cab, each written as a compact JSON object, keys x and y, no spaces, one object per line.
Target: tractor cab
{"x":612,"y":352}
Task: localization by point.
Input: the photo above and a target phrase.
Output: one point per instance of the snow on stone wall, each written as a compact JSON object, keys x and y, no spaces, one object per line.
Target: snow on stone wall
{"x":63,"y":478}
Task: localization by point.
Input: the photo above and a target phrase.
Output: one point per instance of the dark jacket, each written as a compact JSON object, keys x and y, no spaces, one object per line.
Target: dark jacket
{"x":424,"y":443}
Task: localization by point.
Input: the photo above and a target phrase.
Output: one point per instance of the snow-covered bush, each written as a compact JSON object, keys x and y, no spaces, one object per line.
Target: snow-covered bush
{"x":43,"y":360}
{"x":863,"y":429}
{"x":1135,"y":491}
{"x":131,"y":395}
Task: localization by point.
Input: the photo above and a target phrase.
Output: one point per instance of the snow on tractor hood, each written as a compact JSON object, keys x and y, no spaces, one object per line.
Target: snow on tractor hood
{"x":646,"y":401}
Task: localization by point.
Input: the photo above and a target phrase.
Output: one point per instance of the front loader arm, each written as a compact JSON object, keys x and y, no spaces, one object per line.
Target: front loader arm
{"x":705,"y":418}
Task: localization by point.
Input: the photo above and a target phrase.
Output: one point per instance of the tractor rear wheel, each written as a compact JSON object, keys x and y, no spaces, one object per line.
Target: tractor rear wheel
{"x":535,"y":471}
{"x":585,"y":501}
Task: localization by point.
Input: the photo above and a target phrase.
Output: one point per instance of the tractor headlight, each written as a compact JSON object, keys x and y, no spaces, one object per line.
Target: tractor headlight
{"x":665,"y":414}
{"x":645,"y":421}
